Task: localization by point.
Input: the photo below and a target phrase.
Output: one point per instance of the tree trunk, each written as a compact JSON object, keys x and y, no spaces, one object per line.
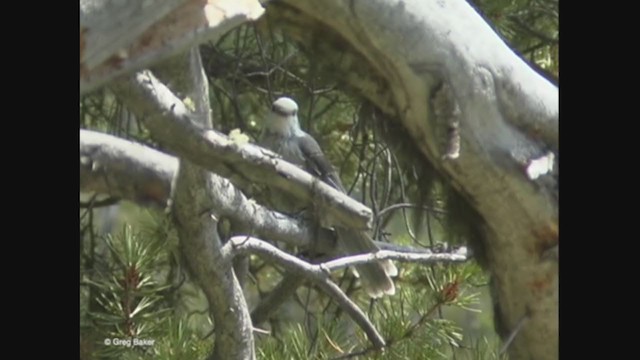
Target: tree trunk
{"x":196,"y":217}
{"x":403,"y":56}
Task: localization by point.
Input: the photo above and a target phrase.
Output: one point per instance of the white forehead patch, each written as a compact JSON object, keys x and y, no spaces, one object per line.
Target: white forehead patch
{"x":286,"y":104}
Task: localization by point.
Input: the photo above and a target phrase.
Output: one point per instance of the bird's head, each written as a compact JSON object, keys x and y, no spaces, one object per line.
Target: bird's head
{"x":283,"y":118}
{"x":285,"y":107}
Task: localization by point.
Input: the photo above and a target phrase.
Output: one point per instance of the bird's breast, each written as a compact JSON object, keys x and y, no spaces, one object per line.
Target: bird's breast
{"x":288,"y":148}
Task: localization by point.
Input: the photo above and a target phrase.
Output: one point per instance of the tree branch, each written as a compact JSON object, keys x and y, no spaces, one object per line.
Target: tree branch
{"x":195,"y":217}
{"x":460,"y":255}
{"x":292,"y":280}
{"x":241,"y":245}
{"x":124,"y":169}
{"x":128,"y":170}
{"x":172,"y":124}
{"x":320,"y":274}
{"x":116,"y":39}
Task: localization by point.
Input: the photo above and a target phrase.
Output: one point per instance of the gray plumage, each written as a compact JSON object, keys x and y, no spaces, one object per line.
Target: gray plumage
{"x":283,"y":135}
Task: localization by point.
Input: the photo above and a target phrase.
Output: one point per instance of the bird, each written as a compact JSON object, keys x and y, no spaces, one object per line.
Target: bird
{"x":283,"y":135}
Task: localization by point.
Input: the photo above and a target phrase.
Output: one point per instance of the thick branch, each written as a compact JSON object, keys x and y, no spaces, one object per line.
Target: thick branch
{"x":172,"y":124}
{"x":121,"y":37}
{"x":194,"y":213}
{"x":124,"y":169}
{"x":396,"y":53}
{"x":118,"y":167}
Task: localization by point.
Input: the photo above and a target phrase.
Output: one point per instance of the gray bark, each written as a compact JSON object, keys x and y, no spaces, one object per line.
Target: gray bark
{"x":131,"y":171}
{"x":400,"y":51}
{"x":174,"y":126}
{"x":124,"y":169}
{"x":195,"y":216}
{"x":117,"y":37}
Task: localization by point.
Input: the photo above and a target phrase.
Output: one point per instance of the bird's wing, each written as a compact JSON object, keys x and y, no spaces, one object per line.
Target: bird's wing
{"x":317,"y":163}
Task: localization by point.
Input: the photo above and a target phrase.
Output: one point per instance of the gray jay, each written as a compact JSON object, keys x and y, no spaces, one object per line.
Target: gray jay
{"x":283,"y":135}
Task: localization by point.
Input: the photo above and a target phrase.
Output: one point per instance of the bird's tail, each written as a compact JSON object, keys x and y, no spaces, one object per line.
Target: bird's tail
{"x":375,"y":277}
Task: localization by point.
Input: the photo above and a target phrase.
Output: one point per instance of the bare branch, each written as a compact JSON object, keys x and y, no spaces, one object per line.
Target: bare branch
{"x":319,"y":274}
{"x":172,"y":124}
{"x":316,"y":273}
{"x":292,"y":280}
{"x":459,"y":255}
{"x":120,"y":38}
{"x":124,"y":169}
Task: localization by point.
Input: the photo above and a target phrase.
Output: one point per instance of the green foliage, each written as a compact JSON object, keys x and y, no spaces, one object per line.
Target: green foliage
{"x":411,"y":322}
{"x":530,"y":27}
{"x":180,"y":342}
{"x":136,"y":291}
{"x":128,"y":295}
